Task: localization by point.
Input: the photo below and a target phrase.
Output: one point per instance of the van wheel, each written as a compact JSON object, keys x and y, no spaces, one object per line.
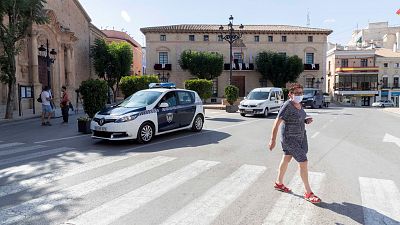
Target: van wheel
{"x":266,"y":112}
{"x":198,"y":123}
{"x":243,"y":114}
{"x":145,"y":133}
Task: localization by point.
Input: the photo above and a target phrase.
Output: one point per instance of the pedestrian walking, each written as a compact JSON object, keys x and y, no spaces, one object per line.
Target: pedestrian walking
{"x":293,"y":140}
{"x":64,"y":104}
{"x":46,"y":106}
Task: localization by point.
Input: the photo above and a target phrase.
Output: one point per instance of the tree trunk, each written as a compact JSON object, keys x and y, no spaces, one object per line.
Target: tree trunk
{"x":11,"y":91}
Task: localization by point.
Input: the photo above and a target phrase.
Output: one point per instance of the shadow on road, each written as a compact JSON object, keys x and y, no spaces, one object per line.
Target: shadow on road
{"x":356,"y":212}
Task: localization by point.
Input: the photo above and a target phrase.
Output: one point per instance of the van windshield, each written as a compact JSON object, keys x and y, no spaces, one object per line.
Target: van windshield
{"x":258,"y":95}
{"x":309,"y":93}
{"x":140,"y":99}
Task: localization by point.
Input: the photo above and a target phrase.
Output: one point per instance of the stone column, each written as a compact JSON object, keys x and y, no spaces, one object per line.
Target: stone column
{"x":68,"y":65}
{"x":34,"y":69}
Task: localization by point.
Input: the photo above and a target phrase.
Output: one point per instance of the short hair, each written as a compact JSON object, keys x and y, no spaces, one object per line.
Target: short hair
{"x":294,"y":86}
{"x":46,"y":88}
{"x":63,"y":87}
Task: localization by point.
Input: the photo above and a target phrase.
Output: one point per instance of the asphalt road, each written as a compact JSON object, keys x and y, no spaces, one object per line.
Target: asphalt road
{"x":222,"y":175}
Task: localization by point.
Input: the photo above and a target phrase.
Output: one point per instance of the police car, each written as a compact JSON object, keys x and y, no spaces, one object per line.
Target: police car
{"x":157,"y":110}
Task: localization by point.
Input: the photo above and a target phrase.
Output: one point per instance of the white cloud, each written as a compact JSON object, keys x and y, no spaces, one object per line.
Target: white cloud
{"x":329,"y":20}
{"x":125,"y":16}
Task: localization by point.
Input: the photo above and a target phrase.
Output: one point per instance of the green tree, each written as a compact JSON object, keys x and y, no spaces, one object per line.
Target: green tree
{"x":16,"y":17}
{"x":278,"y":68}
{"x":203,"y":87}
{"x":94,"y":95}
{"x":203,"y":65}
{"x":100,"y":56}
{"x":132,"y":84}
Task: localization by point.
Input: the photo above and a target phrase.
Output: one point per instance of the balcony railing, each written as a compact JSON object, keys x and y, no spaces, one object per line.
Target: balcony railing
{"x":371,"y":69}
{"x":390,"y":86}
{"x":311,"y":66}
{"x":162,"y":66}
{"x":239,"y":66}
{"x":396,"y":85}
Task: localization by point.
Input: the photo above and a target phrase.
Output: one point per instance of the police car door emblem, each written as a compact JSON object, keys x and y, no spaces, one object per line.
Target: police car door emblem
{"x":170,"y":116}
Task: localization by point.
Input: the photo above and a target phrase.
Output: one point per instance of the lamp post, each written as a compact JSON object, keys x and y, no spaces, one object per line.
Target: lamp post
{"x":164,"y":77}
{"x":50,"y":58}
{"x":319,"y":81}
{"x":231,"y":37}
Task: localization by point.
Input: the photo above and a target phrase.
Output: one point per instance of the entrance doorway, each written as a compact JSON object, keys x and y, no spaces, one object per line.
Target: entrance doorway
{"x":239,"y":82}
{"x":365,"y":101}
{"x":42,"y":67}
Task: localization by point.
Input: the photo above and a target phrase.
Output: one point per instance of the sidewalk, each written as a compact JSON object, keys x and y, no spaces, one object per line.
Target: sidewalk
{"x":395,"y":110}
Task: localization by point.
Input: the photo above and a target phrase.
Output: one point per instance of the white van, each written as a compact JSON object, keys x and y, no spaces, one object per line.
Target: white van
{"x":262,"y":101}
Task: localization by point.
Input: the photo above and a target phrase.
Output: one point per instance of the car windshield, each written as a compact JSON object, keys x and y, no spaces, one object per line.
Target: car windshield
{"x":140,"y":99}
{"x":309,"y":93}
{"x":258,"y":95}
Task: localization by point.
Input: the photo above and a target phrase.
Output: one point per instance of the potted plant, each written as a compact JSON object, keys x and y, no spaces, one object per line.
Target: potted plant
{"x":231,"y":94}
{"x":94,"y":96}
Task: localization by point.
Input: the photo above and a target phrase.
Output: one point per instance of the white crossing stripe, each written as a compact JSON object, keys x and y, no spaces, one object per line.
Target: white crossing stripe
{"x":315,"y":135}
{"x":10,"y":145}
{"x":34,"y":155}
{"x":207,"y":207}
{"x":21,"y":149}
{"x":291,"y":209}
{"x":48,"y":202}
{"x":380,"y":200}
{"x":47,"y":179}
{"x":69,"y":159}
{"x":112,"y":210}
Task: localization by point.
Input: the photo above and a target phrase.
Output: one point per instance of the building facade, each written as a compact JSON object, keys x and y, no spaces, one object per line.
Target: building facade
{"x":378,"y":34}
{"x":118,"y":36}
{"x":165,"y":44}
{"x":68,"y":35}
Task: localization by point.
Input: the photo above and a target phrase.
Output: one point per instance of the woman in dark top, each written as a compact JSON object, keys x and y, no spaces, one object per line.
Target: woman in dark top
{"x":293,"y":140}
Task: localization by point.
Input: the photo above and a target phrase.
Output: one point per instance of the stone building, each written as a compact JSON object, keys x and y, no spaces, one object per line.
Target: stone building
{"x":69,"y":33}
{"x":164,"y":44}
{"x":118,"y":36}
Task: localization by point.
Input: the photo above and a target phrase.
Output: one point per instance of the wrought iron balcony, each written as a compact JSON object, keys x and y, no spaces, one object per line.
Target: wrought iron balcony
{"x":311,"y":66}
{"x":162,"y":66}
{"x":239,"y":66}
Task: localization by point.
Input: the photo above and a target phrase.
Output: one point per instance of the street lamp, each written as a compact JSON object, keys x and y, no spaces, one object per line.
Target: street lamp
{"x":164,"y":77}
{"x":231,"y":37}
{"x":319,"y":81}
{"x":50,"y":58}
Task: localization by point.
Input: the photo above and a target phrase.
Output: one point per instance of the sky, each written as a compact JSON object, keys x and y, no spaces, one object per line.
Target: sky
{"x":341,"y":16}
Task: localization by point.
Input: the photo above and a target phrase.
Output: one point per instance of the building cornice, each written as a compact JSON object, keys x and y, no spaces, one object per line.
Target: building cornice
{"x":78,"y":4}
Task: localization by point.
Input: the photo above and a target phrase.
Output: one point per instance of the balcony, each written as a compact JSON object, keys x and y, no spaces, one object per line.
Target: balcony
{"x":311,"y":66}
{"x":396,"y":86}
{"x":162,"y":66}
{"x":371,"y":69}
{"x":239,"y":66}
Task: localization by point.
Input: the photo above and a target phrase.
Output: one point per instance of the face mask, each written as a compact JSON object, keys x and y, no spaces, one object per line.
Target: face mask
{"x":297,"y":99}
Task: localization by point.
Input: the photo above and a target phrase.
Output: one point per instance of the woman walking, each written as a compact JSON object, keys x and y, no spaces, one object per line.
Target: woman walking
{"x":293,"y":140}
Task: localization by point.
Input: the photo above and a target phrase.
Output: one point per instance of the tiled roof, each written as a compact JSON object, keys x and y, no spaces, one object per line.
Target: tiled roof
{"x":192,"y":28}
{"x":121,"y":35}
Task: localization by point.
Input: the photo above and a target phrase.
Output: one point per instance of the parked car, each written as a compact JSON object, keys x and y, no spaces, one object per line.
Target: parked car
{"x":158,"y":110}
{"x":383,"y":103}
{"x":313,"y":98}
{"x":262,"y":101}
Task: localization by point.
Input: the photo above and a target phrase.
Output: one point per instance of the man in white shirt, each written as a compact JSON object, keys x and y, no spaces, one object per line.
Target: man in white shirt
{"x":46,"y":106}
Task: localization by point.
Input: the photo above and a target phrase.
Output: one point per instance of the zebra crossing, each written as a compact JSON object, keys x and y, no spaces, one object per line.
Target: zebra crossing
{"x":380,"y":199}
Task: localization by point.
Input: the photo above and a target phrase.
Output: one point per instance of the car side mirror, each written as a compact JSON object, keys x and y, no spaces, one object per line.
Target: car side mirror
{"x":272,"y":98}
{"x":164,"y":105}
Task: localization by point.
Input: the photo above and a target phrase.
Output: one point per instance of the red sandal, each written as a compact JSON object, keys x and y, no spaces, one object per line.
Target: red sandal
{"x":312,"y":198}
{"x":282,"y":187}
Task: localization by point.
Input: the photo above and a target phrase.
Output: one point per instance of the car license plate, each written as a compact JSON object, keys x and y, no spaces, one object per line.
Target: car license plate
{"x":98,"y":128}
{"x":248,"y":110}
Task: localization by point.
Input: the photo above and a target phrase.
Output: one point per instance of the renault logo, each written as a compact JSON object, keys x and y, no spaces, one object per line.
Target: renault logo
{"x":170,"y":117}
{"x":102,"y":121}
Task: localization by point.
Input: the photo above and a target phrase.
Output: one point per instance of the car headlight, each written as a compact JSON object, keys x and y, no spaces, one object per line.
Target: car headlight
{"x":126,"y":118}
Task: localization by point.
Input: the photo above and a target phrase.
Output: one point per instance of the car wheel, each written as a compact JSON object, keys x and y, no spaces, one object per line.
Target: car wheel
{"x":266,"y":112}
{"x":145,"y":133}
{"x":313,"y":105}
{"x":198,"y":123}
{"x":243,"y":114}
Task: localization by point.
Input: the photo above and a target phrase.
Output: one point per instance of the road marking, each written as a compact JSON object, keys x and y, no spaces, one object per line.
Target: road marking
{"x":112,"y":210}
{"x":186,"y":136}
{"x":392,"y":139}
{"x":206,"y":208}
{"x":315,"y":135}
{"x":21,"y":149}
{"x":65,"y":196}
{"x":380,"y":200}
{"x":10,"y":145}
{"x":292,"y":209}
{"x":47,"y":179}
{"x":34,"y":155}
{"x":60,"y":139}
